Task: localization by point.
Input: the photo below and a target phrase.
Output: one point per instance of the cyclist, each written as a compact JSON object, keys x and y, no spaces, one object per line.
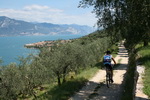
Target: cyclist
{"x":107,"y":63}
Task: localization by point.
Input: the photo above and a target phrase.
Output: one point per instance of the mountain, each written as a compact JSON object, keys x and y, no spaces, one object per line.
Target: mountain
{"x":12,"y":27}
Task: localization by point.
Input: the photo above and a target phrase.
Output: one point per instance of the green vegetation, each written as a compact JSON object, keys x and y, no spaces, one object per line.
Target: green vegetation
{"x":129,"y":79}
{"x":129,"y":20}
{"x":57,"y":67}
{"x":143,"y":56}
{"x":144,"y":53}
{"x":67,"y":89}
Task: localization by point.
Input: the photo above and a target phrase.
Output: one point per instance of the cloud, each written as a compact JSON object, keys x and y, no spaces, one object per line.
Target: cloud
{"x":38,"y":13}
{"x":35,"y":7}
{"x":41,"y":8}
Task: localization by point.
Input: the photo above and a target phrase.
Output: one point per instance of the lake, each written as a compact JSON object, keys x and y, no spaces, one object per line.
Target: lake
{"x":12,"y":47}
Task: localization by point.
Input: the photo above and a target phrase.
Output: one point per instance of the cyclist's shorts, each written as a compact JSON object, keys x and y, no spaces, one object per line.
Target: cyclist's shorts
{"x":108,"y":66}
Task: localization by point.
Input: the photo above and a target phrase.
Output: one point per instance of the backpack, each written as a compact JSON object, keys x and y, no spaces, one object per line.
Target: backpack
{"x":107,"y":59}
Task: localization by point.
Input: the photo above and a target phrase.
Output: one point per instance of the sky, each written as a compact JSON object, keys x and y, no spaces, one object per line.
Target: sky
{"x":50,"y":11}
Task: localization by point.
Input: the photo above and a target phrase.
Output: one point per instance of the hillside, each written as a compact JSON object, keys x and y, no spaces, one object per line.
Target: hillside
{"x":12,"y":27}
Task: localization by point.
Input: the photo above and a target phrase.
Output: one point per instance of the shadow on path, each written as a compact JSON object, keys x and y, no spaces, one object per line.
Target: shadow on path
{"x":121,"y":67}
{"x":101,"y":91}
{"x":139,"y":98}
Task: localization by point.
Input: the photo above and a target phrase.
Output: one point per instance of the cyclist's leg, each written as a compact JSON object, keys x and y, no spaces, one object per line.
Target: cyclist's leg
{"x":111,"y":68}
{"x":106,"y":68}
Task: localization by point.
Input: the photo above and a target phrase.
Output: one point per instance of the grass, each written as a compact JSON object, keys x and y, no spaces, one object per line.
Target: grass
{"x":67,"y":89}
{"x":144,"y":59}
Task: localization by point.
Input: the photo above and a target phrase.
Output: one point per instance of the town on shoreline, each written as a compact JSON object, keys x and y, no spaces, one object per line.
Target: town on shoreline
{"x":46,"y":43}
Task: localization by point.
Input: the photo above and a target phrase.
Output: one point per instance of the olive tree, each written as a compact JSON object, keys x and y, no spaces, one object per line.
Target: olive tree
{"x":130,"y":18}
{"x":11,"y":83}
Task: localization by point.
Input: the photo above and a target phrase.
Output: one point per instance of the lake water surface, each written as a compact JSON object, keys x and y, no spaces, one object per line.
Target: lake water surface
{"x":12,"y":47}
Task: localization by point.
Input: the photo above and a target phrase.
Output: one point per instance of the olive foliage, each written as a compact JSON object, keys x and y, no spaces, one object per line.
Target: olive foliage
{"x":52,"y":64}
{"x":129,"y":18}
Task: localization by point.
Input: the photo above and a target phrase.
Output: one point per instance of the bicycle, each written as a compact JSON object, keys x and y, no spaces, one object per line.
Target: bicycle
{"x":109,"y":75}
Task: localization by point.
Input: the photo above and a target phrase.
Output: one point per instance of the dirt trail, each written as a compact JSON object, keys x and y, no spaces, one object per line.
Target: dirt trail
{"x":96,"y":88}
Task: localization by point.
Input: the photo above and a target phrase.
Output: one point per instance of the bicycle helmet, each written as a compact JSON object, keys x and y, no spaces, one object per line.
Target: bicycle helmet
{"x":108,"y":52}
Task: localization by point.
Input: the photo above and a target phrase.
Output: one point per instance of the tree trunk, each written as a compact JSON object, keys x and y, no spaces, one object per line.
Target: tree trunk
{"x":64,"y":78}
{"x":145,"y":43}
{"x":58,"y":78}
{"x":64,"y":74}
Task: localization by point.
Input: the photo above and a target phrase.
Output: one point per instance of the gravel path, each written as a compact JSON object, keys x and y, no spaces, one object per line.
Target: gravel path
{"x":96,"y":88}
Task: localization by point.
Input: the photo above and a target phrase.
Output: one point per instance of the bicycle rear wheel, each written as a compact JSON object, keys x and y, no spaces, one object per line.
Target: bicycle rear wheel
{"x":108,"y":80}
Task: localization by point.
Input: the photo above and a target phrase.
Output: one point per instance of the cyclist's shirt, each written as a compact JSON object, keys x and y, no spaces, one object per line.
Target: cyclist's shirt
{"x":107,"y":59}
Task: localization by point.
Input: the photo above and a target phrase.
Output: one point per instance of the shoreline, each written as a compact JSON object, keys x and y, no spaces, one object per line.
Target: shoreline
{"x":45,"y":43}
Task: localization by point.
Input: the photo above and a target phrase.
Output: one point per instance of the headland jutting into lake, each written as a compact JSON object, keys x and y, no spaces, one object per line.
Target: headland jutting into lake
{"x":46,"y":43}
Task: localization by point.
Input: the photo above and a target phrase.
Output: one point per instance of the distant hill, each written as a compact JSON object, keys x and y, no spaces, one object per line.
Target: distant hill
{"x":12,"y":27}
